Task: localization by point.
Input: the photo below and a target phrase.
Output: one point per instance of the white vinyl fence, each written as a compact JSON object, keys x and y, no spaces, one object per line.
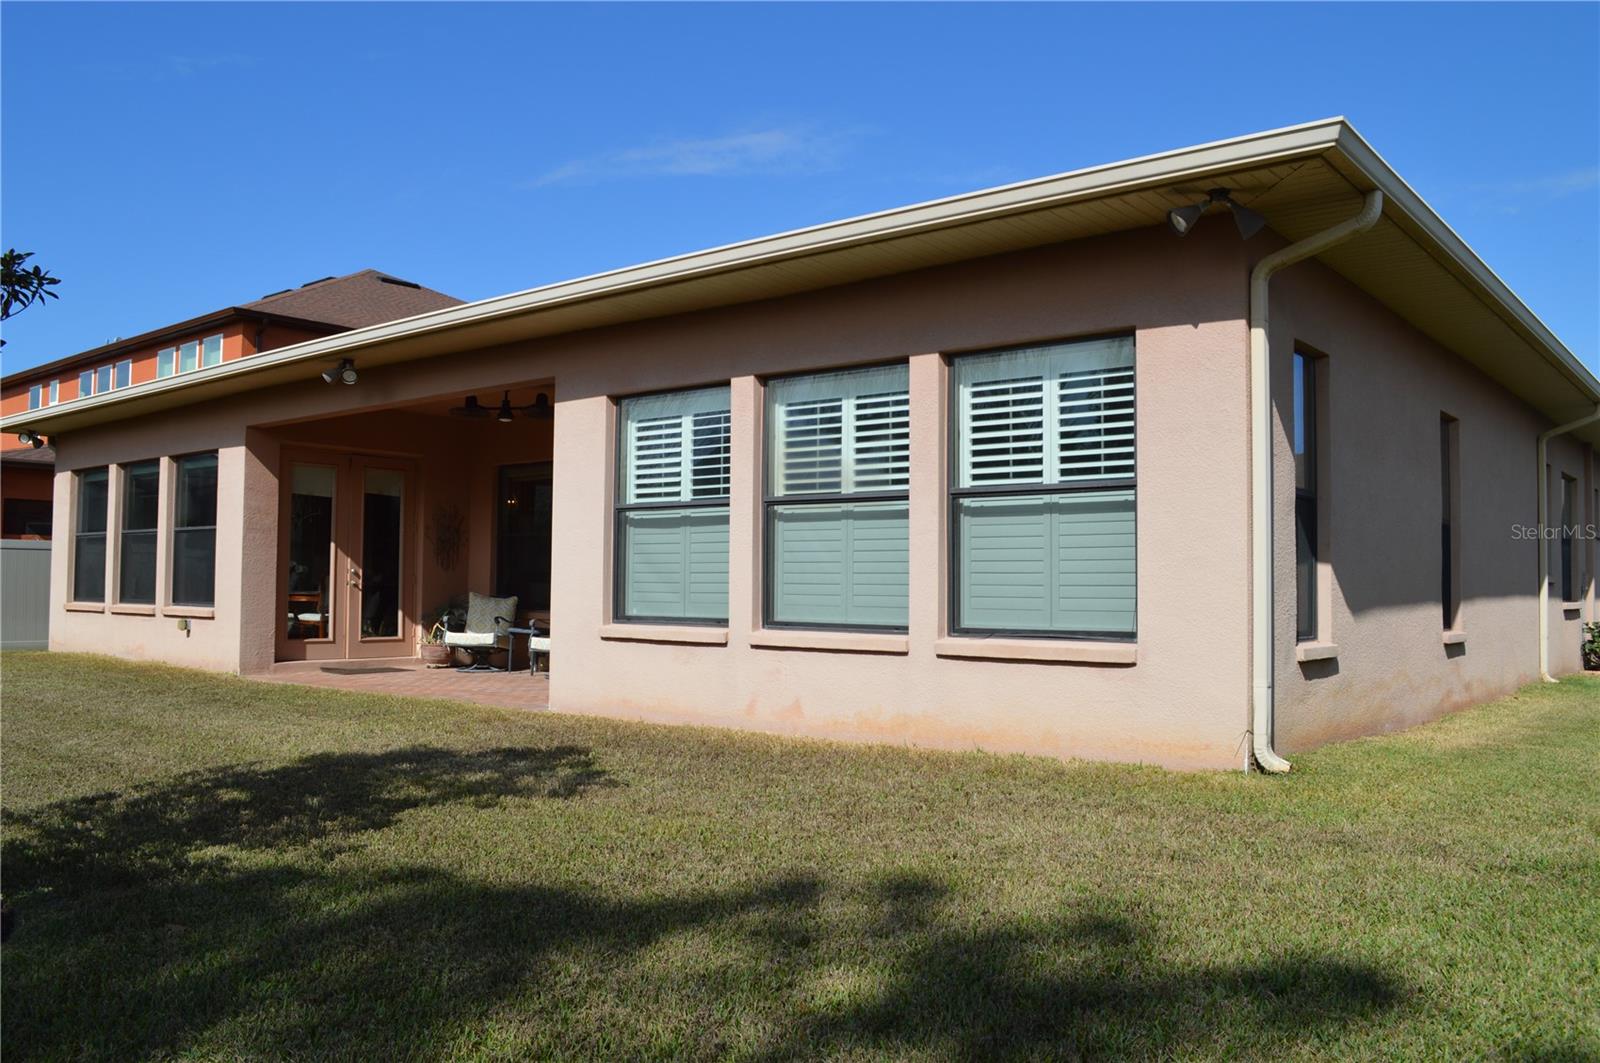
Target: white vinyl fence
{"x":24,"y":594}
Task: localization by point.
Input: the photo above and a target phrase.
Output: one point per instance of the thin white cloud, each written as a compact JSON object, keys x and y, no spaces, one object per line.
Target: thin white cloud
{"x":1552,"y":186}
{"x":781,"y":150}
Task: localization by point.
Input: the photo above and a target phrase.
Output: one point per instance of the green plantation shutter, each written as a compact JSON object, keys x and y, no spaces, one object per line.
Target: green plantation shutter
{"x":676,"y":563}
{"x":832,"y":561}
{"x":674,"y":558}
{"x":1048,"y":562}
{"x":1060,"y":560}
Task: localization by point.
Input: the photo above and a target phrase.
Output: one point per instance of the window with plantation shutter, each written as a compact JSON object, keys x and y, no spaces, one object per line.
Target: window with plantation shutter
{"x":1043,"y":491}
{"x":839,"y":457}
{"x":672,"y":507}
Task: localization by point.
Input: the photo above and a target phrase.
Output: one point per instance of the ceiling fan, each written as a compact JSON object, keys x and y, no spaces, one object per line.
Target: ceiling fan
{"x":539,"y":409}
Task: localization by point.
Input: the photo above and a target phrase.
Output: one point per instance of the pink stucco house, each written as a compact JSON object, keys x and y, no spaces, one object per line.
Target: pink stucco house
{"x":1021,"y":470}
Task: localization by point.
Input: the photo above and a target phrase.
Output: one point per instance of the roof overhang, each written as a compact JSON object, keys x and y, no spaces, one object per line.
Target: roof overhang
{"x":1302,"y":179}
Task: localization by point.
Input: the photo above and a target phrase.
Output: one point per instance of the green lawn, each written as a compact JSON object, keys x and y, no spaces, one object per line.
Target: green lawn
{"x":207,"y":867}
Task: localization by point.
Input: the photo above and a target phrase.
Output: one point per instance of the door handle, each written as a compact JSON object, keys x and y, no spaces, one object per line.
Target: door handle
{"x":355,"y":577}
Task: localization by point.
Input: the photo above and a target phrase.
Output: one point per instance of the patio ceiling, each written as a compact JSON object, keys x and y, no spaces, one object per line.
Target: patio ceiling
{"x":1302,"y":179}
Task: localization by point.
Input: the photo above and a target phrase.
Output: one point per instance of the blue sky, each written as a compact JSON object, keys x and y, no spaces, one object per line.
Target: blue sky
{"x":168,"y":160}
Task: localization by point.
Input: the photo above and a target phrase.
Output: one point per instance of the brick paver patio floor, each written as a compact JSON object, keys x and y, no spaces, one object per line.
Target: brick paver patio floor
{"x":409,"y":678}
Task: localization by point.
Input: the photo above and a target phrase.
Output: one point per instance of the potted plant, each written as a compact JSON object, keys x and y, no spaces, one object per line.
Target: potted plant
{"x":434,"y":653}
{"x":1591,"y":647}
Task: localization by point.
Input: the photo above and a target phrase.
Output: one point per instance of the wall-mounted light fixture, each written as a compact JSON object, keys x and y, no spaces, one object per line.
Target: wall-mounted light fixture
{"x":29,"y":438}
{"x":343,"y":373}
{"x":1184,"y":219}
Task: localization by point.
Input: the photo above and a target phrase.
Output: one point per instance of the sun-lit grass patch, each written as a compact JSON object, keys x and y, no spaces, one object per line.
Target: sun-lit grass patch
{"x":207,"y":867}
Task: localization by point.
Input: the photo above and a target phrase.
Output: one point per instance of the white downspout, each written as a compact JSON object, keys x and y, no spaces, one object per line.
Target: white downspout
{"x":1544,"y":544}
{"x":1261,"y":604}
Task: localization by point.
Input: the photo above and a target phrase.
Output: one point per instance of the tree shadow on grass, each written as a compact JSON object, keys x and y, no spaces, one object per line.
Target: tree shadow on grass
{"x":109,"y":839}
{"x":143,"y":941}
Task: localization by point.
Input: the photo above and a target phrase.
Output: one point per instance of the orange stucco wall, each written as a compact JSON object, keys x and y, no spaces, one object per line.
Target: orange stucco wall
{"x":1180,"y":696}
{"x":239,"y":339}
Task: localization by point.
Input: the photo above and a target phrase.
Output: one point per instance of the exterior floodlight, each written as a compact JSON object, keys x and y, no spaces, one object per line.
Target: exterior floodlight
{"x":29,"y":438}
{"x":1248,"y":221}
{"x":343,"y":373}
{"x":1184,"y":219}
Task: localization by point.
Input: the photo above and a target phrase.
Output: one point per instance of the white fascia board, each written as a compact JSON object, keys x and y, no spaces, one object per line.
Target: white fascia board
{"x":1402,"y":197}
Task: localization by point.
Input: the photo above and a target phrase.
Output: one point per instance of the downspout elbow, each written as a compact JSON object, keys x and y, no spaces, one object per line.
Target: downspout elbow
{"x":1261,"y":552}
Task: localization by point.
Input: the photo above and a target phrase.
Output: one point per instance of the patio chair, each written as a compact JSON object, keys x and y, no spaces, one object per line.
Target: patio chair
{"x":488,"y":621}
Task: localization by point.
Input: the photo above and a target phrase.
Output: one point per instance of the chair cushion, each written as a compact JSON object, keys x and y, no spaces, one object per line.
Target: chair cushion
{"x":482,"y":609}
{"x":538,"y":645}
{"x":470,"y":639}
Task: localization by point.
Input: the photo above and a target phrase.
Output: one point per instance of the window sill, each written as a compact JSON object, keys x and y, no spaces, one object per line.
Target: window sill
{"x":686,"y":633}
{"x":1571,"y":609}
{"x":85,"y":607}
{"x":841,"y":641}
{"x":1316,"y":651}
{"x":1000,"y":649}
{"x":1455,"y":638}
{"x":132,"y":609}
{"x":197,"y":612}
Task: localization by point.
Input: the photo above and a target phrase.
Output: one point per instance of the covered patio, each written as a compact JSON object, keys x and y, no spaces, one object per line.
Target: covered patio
{"x":390,"y":517}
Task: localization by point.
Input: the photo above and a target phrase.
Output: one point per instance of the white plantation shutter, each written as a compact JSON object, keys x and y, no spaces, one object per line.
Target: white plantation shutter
{"x":1047,"y":417}
{"x":835,"y":562}
{"x":674,"y":558}
{"x":675,"y":446}
{"x":840,"y":433}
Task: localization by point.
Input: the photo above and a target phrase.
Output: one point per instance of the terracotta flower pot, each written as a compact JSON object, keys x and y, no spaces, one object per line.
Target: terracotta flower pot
{"x":435,"y":654}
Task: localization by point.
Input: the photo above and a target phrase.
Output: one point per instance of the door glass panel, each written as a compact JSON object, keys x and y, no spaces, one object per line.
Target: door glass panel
{"x":382,"y":500}
{"x":524,"y":544}
{"x":311,"y":552}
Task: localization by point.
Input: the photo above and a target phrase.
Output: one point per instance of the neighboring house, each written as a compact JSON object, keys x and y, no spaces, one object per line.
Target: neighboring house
{"x":321,"y":308}
{"x":976,"y":473}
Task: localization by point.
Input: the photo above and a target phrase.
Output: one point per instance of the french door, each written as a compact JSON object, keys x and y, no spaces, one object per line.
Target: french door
{"x":346,"y":572}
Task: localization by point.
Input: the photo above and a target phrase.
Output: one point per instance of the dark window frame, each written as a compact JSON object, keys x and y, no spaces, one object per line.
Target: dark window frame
{"x":1570,"y":591}
{"x":1450,"y":521}
{"x":621,"y":509}
{"x":542,"y":471}
{"x":182,"y":529}
{"x":1308,"y":516}
{"x":150,"y":536}
{"x":79,"y":535}
{"x":770,"y":502}
{"x":954,"y":494}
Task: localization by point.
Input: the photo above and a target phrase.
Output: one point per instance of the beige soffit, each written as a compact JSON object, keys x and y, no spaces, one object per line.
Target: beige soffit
{"x":1302,"y":178}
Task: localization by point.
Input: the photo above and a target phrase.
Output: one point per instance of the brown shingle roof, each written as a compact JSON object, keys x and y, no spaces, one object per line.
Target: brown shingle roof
{"x":355,"y":300}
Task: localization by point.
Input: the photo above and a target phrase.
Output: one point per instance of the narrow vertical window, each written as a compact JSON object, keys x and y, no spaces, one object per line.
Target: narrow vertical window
{"x":136,"y":579}
{"x":124,"y":374}
{"x":86,"y":383}
{"x":1449,"y":522}
{"x":1569,"y":570}
{"x":838,"y":466}
{"x":1305,"y":496}
{"x":189,"y":357}
{"x":102,"y":379}
{"x":89,"y":537}
{"x":35,"y":397}
{"x":211,"y":351}
{"x":672,"y":507}
{"x":194,"y":531}
{"x":1043,"y":493}
{"x":166,"y":361}
{"x":55,"y":392}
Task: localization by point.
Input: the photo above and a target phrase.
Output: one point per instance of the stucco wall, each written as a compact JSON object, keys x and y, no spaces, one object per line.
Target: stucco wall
{"x":1183,"y":698}
{"x":1387,"y":386}
{"x":1183,"y":703}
